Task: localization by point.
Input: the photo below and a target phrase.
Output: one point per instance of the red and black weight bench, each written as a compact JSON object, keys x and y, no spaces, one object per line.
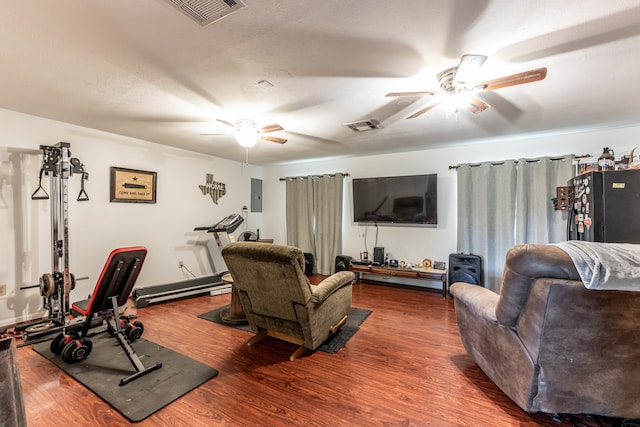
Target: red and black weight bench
{"x":112,"y":290}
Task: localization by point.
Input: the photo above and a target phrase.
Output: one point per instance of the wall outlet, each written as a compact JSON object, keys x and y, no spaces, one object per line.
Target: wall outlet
{"x":180,"y":264}
{"x":3,"y":289}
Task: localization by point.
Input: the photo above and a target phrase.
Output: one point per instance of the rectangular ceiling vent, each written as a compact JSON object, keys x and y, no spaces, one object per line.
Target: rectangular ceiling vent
{"x":205,"y":12}
{"x":363,"y":125}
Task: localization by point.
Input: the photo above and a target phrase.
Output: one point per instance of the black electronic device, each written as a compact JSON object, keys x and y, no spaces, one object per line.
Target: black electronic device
{"x":378,"y":255}
{"x":407,"y":200}
{"x":465,"y":268}
{"x":309,"y":264}
{"x":342,"y":263}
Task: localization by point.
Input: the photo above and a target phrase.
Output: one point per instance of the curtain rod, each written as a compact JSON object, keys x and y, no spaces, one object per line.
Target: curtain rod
{"x":526,"y":160}
{"x":311,"y":176}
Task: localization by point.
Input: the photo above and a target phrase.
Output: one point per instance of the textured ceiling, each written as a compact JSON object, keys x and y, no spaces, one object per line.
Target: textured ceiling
{"x":143,"y":69}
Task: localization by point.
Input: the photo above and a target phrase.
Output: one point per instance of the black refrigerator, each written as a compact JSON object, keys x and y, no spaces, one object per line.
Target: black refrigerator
{"x":605,"y":207}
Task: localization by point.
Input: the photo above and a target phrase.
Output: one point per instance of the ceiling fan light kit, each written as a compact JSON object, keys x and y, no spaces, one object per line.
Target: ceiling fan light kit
{"x":458,"y":86}
{"x":247,"y":133}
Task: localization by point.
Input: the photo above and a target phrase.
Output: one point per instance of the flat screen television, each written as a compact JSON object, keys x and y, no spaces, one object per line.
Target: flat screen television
{"x":406,"y":200}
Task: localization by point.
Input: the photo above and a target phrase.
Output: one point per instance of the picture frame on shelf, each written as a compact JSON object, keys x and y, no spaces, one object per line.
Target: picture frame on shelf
{"x":133,"y":185}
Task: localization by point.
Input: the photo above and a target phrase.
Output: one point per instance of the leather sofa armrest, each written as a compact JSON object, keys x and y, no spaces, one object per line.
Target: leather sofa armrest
{"x":321,"y":292}
{"x":480,"y":300}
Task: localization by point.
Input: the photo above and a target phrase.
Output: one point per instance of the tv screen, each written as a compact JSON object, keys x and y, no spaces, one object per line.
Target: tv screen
{"x":396,"y":200}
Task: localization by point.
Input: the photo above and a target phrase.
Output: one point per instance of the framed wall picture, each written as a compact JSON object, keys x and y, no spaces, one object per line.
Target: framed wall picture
{"x":133,"y":186}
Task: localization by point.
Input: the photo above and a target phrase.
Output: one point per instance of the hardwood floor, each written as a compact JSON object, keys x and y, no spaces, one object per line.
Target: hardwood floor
{"x":405,"y":367}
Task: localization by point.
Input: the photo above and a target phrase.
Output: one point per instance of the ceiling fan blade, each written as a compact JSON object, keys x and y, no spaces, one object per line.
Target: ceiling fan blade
{"x":423,"y":110}
{"x":513,"y":80}
{"x":476,"y":105}
{"x":410,"y":93}
{"x":271,"y":128}
{"x":467,"y":69}
{"x":274,"y":139}
{"x":224,"y":122}
{"x":213,"y":134}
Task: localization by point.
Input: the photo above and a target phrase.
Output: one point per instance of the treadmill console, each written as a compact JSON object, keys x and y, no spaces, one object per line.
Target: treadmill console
{"x":228,"y":224}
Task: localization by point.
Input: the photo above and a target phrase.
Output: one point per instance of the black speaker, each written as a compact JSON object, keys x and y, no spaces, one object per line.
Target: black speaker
{"x":465,"y":268}
{"x":309,"y":264}
{"x":378,"y":255}
{"x":342,"y":263}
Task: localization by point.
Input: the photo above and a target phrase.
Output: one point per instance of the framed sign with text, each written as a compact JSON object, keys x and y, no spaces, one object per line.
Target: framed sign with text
{"x":133,"y":186}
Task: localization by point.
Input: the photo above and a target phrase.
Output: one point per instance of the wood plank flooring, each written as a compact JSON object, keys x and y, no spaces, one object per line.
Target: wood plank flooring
{"x":405,"y":367}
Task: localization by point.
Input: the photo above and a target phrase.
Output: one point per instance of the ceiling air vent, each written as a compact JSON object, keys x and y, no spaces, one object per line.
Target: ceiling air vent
{"x":204,"y":12}
{"x":363,"y":125}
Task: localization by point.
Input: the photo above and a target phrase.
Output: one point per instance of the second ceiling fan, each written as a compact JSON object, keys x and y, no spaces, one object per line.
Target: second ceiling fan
{"x":458,"y":85}
{"x":247,"y":132}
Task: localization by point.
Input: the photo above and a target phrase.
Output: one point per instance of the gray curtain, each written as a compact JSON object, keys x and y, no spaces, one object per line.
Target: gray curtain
{"x":486,"y":214}
{"x":508,"y":203}
{"x":328,"y":194}
{"x":299,"y":213}
{"x":536,"y":220}
{"x":314,"y":217}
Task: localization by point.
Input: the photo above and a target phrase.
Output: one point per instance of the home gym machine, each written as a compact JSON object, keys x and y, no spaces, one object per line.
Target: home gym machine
{"x":112,"y":289}
{"x":55,"y":287}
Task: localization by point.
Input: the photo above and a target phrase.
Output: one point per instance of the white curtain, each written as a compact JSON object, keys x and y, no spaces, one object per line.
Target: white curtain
{"x":501,"y":204}
{"x":314,"y":217}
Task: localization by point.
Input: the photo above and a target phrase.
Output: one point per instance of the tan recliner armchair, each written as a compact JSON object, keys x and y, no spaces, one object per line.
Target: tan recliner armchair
{"x":551,"y":344}
{"x":278,"y":299}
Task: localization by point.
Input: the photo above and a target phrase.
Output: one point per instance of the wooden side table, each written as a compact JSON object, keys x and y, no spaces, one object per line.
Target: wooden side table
{"x":233,"y":315}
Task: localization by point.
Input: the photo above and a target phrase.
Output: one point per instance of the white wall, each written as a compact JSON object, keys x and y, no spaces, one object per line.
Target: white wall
{"x":412,"y":244}
{"x":98,"y":226}
{"x":165,"y":228}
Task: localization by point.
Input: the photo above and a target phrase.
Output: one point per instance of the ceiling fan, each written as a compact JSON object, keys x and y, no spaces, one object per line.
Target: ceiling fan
{"x":458,"y":85}
{"x":247,"y":132}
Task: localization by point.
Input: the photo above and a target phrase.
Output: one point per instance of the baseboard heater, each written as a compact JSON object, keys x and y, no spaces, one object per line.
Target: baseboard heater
{"x":212,"y":285}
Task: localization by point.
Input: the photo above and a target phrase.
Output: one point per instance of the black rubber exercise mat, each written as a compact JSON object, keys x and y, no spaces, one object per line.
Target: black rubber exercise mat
{"x":107,"y":364}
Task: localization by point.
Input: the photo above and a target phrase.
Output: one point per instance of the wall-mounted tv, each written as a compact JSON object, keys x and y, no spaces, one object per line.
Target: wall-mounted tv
{"x":406,"y":200}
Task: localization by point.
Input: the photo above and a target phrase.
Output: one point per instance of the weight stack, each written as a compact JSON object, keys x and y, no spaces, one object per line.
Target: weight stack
{"x":465,"y":268}
{"x":342,"y":263}
{"x":309,"y":264}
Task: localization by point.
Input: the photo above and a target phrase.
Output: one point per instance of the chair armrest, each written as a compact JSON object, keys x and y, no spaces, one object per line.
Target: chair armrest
{"x":331,"y":284}
{"x":481,"y":301}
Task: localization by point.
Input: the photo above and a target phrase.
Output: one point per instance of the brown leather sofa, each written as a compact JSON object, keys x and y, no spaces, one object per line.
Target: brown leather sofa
{"x":548,"y":342}
{"x":278,"y":299}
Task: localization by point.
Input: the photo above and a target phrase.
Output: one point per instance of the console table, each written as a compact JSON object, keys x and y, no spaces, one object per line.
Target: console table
{"x":423,"y":274}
